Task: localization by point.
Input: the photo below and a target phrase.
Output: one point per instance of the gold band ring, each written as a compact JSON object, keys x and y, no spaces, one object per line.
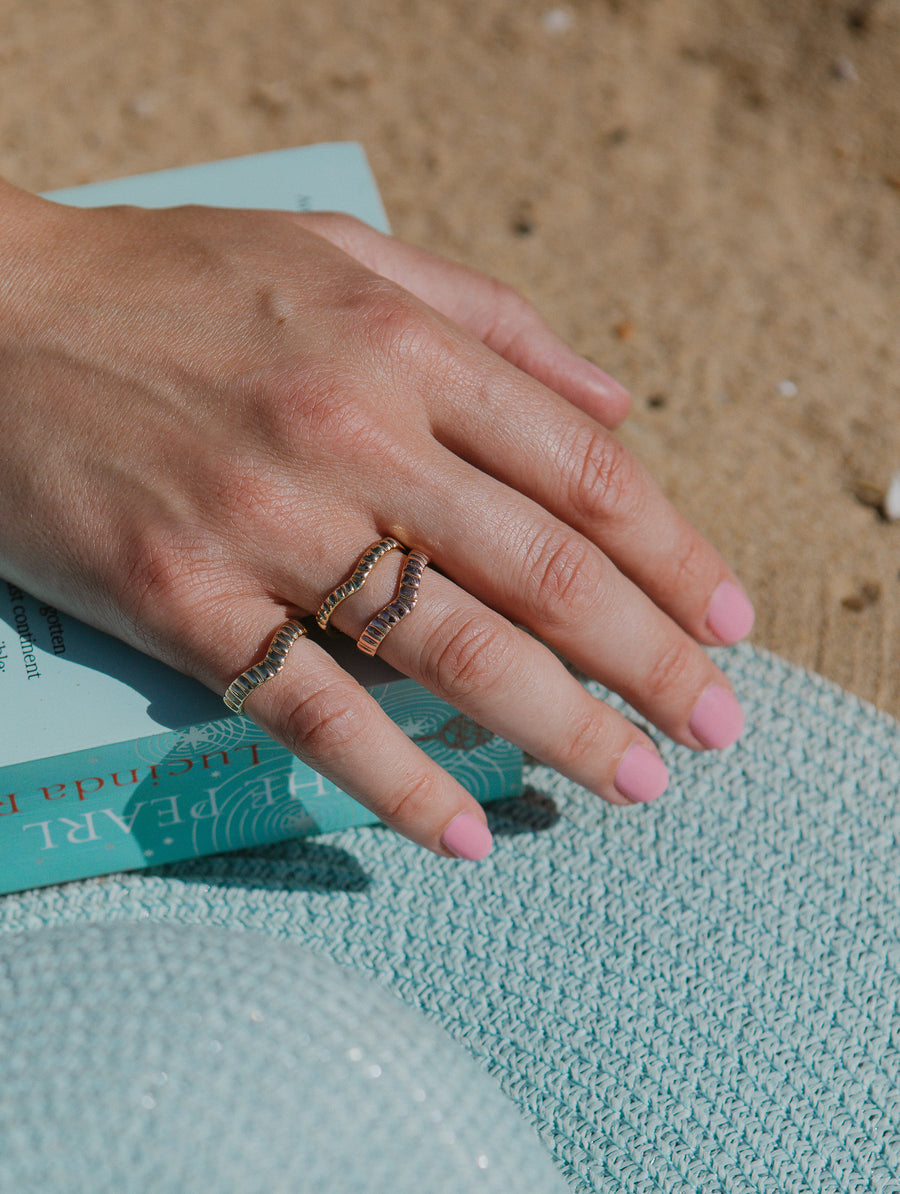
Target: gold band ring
{"x":282,"y":641}
{"x":404,"y":603}
{"x":364,"y":566}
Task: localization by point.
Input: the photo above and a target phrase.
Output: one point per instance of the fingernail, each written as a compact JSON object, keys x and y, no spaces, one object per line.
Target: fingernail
{"x":604,"y":382}
{"x":467,"y":837}
{"x":717,"y":720}
{"x":641,"y":775}
{"x":605,"y":386}
{"x":731,"y":614}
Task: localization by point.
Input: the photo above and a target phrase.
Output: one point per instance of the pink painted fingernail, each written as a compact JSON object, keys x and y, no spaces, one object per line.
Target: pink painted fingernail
{"x":730,"y":616}
{"x":718,"y":719}
{"x":641,"y":775}
{"x":467,"y":837}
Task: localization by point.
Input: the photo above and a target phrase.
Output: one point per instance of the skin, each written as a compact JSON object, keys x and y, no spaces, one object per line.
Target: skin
{"x":208,"y":415}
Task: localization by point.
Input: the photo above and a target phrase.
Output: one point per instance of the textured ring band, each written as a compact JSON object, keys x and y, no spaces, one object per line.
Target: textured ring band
{"x":282,"y":641}
{"x":404,"y":603}
{"x":364,"y":566}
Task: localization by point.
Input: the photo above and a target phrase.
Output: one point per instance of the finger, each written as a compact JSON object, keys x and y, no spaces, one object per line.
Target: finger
{"x":522,"y":434}
{"x":508,"y":682}
{"x":321,"y":714}
{"x":539,"y":572}
{"x":491,"y":311}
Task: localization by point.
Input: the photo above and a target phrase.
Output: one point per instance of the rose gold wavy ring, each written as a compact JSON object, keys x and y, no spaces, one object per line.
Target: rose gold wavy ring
{"x":282,"y":641}
{"x":402,"y":605}
{"x":364,"y":566}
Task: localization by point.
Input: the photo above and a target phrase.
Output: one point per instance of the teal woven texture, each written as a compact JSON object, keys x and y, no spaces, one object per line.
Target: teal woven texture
{"x":173,"y":1059}
{"x":699,"y":995}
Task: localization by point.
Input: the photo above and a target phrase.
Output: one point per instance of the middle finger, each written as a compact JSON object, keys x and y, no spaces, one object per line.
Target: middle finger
{"x":505,"y":680}
{"x":526,"y":564}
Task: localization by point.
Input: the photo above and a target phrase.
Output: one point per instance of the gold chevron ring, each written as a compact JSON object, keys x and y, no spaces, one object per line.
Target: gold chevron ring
{"x":282,"y":641}
{"x":395,"y":611}
{"x":364,"y":566}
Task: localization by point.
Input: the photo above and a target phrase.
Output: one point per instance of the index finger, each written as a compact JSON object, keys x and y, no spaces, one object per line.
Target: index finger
{"x":492,"y":312}
{"x":523,"y":434}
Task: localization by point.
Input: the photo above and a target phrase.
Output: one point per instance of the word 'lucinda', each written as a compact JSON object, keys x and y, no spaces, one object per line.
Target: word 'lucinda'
{"x":155,"y":773}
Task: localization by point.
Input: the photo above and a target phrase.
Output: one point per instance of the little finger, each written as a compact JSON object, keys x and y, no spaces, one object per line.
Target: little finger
{"x":320,"y":713}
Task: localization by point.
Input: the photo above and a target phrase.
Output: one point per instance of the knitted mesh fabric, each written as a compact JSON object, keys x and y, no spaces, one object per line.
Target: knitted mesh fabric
{"x":697,"y":995}
{"x":166,"y":1059}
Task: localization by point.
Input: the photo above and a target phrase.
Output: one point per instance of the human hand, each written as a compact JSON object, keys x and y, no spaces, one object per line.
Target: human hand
{"x":208,"y":415}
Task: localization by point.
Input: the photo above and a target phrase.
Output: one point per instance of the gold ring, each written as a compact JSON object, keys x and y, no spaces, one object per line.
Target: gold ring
{"x":364,"y":566}
{"x":404,"y":603}
{"x":282,"y":641}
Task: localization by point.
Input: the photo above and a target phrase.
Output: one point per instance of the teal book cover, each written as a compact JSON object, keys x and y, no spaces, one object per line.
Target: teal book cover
{"x":111,"y":761}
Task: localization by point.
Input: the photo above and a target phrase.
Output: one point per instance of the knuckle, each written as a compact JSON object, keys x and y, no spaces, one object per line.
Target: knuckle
{"x":154,"y":573}
{"x":160,"y":572}
{"x":585,"y":740}
{"x":668,"y":671}
{"x":690,"y":567}
{"x":329,"y":417}
{"x":407,"y":805}
{"x":312,"y":406}
{"x":604,"y":474}
{"x":393,"y":322}
{"x":472,"y":658}
{"x":241,"y":493}
{"x":167,"y":577}
{"x":324,"y":416}
{"x":321,"y":723}
{"x":561,"y":584}
{"x":512,"y":316}
{"x":343,"y":230}
{"x":335,"y":422}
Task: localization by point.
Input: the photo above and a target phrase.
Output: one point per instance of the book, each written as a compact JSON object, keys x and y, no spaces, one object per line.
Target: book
{"x":111,"y":761}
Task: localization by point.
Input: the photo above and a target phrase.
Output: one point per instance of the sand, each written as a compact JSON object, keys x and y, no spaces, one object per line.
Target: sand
{"x":703,"y":197}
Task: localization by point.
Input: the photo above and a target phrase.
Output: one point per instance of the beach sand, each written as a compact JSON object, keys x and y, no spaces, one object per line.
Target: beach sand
{"x":704,"y":198}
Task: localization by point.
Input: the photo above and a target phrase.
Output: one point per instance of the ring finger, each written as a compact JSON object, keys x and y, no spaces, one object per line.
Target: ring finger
{"x":501,"y":677}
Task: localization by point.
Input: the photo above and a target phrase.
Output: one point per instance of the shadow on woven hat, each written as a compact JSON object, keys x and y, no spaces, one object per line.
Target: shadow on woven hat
{"x":166,"y":1058}
{"x":696,"y":995}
